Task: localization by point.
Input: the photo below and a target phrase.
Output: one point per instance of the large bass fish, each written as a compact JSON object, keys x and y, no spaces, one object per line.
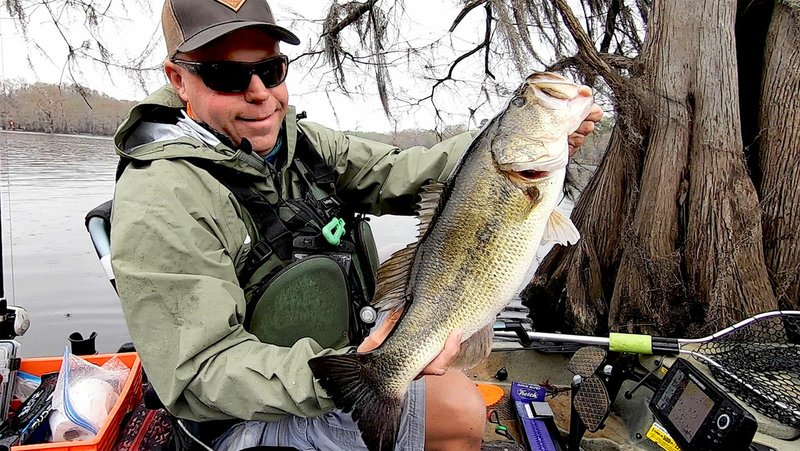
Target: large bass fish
{"x":479,"y":234}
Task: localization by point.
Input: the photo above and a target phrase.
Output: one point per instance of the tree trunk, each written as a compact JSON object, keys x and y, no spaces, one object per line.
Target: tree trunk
{"x":672,"y":239}
{"x":587,"y":269}
{"x":780,"y":154}
{"x":649,"y":292}
{"x":724,"y":249}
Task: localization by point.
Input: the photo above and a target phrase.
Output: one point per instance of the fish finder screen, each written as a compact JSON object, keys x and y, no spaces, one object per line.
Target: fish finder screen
{"x":691,"y":409}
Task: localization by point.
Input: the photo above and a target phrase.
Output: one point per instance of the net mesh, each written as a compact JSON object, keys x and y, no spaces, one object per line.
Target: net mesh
{"x":761,"y":365}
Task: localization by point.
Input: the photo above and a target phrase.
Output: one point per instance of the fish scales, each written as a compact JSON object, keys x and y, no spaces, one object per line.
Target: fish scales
{"x":476,"y":246}
{"x":479,"y":277}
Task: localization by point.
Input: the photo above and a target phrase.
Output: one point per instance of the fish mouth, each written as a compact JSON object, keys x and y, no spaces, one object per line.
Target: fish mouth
{"x":532,"y":174}
{"x":555,"y":86}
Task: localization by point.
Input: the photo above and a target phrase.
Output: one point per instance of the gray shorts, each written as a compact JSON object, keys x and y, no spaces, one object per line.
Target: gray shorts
{"x":333,"y":431}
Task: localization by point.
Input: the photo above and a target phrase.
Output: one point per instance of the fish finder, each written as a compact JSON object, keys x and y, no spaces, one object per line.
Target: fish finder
{"x":697,"y":414}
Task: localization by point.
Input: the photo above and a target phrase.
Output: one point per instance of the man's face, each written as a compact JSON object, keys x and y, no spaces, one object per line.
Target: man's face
{"x":255,"y":114}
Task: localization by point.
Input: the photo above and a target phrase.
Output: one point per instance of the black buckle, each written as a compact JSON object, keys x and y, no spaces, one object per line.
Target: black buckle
{"x":260,"y":252}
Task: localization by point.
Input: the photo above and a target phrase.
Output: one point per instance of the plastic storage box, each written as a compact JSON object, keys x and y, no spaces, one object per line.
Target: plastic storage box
{"x":130,"y":397}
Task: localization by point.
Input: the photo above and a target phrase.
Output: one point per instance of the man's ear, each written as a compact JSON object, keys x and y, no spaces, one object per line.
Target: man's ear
{"x":175,"y":75}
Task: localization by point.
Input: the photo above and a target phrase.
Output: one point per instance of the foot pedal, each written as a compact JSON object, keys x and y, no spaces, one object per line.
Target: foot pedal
{"x":586,"y":361}
{"x":592,"y":403}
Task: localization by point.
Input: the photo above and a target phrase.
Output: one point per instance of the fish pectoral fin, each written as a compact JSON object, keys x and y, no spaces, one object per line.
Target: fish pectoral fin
{"x":475,"y":349}
{"x":560,"y":229}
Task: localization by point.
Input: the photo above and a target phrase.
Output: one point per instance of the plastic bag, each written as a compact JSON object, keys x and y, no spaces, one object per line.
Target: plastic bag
{"x":83,"y":397}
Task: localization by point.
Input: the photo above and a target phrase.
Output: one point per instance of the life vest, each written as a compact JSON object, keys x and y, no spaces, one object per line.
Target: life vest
{"x":311,"y":270}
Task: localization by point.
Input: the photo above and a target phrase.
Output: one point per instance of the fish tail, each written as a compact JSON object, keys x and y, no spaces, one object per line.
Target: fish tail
{"x":353,"y":382}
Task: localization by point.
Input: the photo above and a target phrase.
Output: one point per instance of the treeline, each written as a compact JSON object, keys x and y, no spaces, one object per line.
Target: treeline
{"x":68,"y":109}
{"x":72,"y":109}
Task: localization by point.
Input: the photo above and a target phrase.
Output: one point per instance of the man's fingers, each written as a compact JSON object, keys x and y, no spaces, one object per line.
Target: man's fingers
{"x":577,"y":138}
{"x":444,"y":360}
{"x":586,"y":128}
{"x":575,"y":143}
{"x":377,"y":336}
{"x":595,"y":114}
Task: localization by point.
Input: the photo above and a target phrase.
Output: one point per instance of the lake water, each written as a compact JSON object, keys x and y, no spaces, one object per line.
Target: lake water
{"x":47,"y":185}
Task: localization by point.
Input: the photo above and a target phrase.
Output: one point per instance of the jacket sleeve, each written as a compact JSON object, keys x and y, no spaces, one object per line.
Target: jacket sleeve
{"x":379,"y":178}
{"x":171,"y":255}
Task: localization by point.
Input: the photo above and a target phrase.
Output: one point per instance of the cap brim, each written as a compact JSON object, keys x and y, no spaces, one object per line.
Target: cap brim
{"x":209,"y":34}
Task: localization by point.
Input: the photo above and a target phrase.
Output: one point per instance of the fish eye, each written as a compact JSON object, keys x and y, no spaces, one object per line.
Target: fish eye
{"x":518,"y":101}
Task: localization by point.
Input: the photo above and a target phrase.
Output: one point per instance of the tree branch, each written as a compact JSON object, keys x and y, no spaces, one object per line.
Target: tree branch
{"x":586,"y":49}
{"x":611,"y":24}
{"x":483,"y":45}
{"x":356,"y":11}
{"x":618,"y":61}
{"x":562,"y":64}
{"x":467,"y":8}
{"x":487,"y":38}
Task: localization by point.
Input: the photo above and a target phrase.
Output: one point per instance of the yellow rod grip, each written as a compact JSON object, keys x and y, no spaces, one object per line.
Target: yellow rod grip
{"x":639,"y":344}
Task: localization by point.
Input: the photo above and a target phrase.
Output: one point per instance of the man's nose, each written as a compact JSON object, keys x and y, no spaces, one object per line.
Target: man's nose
{"x":256,"y":91}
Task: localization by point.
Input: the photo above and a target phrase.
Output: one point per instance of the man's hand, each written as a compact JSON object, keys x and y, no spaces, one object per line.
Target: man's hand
{"x":586,"y":128}
{"x":438,"y":366}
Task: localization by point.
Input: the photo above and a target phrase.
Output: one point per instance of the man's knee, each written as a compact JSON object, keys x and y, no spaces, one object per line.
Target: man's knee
{"x":455,"y":413}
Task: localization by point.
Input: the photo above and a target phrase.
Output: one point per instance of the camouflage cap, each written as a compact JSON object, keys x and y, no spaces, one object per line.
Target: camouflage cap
{"x":191,"y":24}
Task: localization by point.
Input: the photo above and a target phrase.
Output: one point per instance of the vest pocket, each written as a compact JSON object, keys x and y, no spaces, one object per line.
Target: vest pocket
{"x":308,"y":298}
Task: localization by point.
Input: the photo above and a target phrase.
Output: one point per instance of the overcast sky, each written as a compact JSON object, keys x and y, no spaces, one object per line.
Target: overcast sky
{"x":422,"y":22}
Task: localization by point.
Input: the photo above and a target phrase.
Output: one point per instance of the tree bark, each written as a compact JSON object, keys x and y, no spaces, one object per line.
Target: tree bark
{"x":724,"y":255}
{"x":681,"y":252}
{"x":587,"y":270}
{"x":780,"y":154}
{"x":649,"y":293}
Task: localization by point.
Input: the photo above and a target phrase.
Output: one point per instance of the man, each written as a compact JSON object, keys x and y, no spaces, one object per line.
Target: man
{"x":219,"y":188}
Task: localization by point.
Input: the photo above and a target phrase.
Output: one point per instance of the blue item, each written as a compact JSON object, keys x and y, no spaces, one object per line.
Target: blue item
{"x":521,"y":391}
{"x":536,"y":432}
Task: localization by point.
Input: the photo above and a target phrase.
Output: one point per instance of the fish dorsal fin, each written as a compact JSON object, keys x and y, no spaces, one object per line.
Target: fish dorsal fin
{"x":428,"y":206}
{"x":394,"y":273}
{"x":560,"y":229}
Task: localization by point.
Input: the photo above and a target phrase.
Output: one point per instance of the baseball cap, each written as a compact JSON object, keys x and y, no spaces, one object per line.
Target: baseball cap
{"x":191,"y":24}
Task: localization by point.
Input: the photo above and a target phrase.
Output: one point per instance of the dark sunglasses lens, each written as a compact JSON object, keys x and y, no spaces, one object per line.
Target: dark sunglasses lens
{"x":226,"y":77}
{"x":235,"y":77}
{"x":272,"y":72}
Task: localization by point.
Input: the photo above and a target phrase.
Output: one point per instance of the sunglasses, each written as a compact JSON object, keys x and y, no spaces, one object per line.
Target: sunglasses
{"x":234,"y":76}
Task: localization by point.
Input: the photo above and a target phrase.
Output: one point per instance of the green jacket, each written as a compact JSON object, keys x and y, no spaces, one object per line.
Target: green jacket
{"x":178,"y":238}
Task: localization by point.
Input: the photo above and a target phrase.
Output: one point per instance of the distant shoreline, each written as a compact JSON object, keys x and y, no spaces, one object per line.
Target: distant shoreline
{"x":79,"y":135}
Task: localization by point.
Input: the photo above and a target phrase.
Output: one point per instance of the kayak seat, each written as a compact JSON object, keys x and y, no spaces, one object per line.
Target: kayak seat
{"x":98,"y":224}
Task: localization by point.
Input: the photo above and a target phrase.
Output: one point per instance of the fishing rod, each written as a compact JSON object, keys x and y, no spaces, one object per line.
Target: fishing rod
{"x":758,"y":358}
{"x":2,"y":274}
{"x":14,"y":321}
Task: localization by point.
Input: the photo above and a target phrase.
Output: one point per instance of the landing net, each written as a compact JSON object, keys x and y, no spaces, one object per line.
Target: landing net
{"x":761,"y":365}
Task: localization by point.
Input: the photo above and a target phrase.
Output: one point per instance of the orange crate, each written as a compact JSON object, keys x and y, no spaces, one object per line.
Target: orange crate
{"x":107,"y":437}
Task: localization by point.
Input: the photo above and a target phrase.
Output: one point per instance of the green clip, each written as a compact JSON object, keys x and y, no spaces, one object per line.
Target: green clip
{"x":500,"y":428}
{"x":333,"y":231}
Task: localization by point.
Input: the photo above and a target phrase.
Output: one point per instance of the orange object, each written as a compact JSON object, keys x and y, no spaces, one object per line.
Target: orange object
{"x":492,"y":394}
{"x":130,"y":397}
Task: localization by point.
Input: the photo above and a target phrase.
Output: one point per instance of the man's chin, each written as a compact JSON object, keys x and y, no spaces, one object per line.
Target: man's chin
{"x":262,"y":146}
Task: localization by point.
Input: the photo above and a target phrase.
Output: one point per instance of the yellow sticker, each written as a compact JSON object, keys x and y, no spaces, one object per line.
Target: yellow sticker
{"x":660,"y":436}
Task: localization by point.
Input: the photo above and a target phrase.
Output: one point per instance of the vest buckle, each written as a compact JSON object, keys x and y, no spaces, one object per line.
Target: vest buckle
{"x":333,"y":231}
{"x":260,"y":252}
